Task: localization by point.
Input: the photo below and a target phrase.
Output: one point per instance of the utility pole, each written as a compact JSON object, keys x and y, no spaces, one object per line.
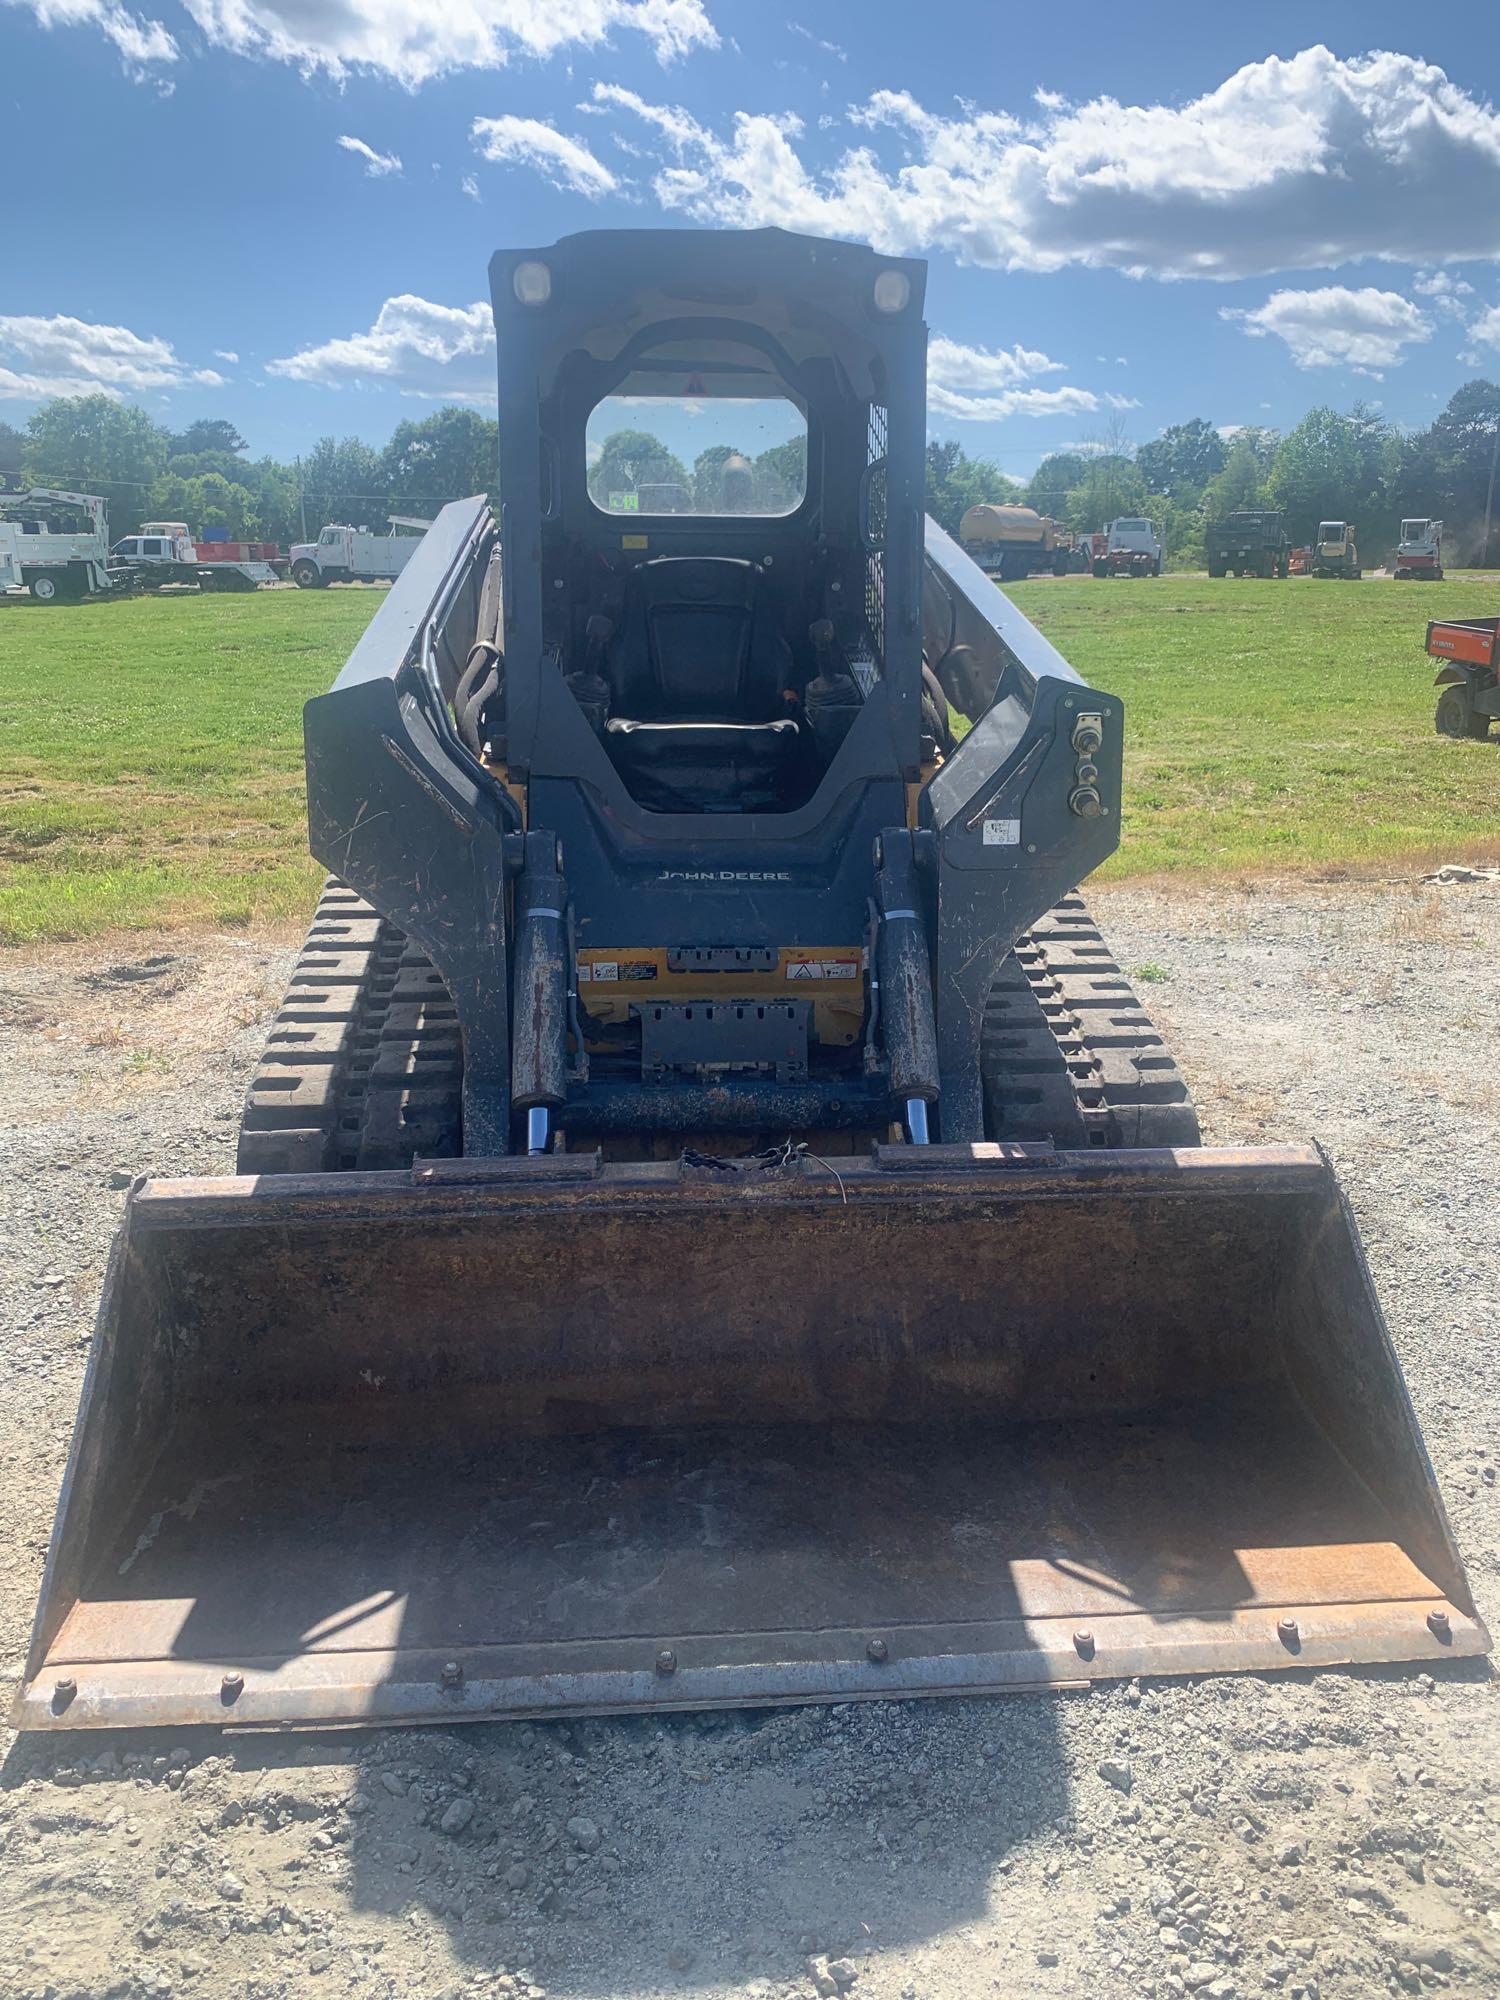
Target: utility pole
{"x":1489,"y":498}
{"x":301,"y":500}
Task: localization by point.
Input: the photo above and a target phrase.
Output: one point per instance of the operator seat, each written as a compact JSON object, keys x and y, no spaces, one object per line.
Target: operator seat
{"x":697,"y":672}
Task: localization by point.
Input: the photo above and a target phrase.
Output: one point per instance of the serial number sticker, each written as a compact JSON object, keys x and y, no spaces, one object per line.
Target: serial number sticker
{"x":603,"y":968}
{"x":1002,"y":833}
{"x":821,"y":968}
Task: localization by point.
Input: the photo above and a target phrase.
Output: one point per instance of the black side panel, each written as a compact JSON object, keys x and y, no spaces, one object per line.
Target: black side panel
{"x":397,"y":813}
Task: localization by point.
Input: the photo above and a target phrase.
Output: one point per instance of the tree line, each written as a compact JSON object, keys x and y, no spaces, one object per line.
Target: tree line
{"x":1333,"y":465}
{"x":723,"y":479}
{"x":204,"y":476}
{"x":1353,"y":466}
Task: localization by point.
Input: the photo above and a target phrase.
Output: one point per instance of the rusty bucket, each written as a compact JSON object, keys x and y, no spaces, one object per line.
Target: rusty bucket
{"x":531,"y":1437}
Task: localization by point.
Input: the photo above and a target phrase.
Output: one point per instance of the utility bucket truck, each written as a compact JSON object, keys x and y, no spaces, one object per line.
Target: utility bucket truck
{"x":55,"y":545}
{"x":354,"y":555}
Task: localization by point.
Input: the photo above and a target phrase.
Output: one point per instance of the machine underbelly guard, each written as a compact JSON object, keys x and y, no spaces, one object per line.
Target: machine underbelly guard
{"x":536,"y":1437}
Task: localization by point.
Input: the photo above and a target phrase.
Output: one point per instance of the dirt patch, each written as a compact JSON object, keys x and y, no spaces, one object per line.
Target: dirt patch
{"x":1318,"y":1836}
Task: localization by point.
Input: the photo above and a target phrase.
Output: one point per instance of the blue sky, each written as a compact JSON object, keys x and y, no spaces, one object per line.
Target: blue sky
{"x":285,"y":216}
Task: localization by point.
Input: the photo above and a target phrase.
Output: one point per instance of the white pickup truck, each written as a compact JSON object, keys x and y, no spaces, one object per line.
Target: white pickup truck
{"x":350,"y":555}
{"x":54,"y":544}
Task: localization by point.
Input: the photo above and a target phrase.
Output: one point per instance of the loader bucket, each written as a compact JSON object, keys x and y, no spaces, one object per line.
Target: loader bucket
{"x":534,"y":1437}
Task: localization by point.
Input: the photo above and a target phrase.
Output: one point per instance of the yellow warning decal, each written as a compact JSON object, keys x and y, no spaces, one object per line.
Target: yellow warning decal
{"x":831,"y":976}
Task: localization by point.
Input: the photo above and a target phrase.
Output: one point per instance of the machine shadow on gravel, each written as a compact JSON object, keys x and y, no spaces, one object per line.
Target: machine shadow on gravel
{"x":614,"y":1853}
{"x":707,"y":1850}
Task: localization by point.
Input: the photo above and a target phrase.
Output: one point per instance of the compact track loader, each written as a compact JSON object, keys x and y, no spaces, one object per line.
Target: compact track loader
{"x":714,"y":1224}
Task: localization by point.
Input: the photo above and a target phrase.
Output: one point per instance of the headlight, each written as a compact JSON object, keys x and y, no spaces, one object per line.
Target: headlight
{"x":532,"y":283}
{"x":892,"y":292}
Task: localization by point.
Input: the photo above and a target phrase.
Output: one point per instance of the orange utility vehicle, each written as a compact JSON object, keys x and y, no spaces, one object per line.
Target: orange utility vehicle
{"x":1469,"y":677}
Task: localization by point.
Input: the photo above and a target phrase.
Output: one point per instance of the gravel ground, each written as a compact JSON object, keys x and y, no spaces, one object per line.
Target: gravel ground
{"x":1309,"y":1835}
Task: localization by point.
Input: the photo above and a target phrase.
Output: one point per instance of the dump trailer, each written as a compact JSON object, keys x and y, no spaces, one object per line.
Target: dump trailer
{"x":1419,"y":553}
{"x":1253,"y":542}
{"x":1013,"y":542}
{"x":715,"y":1225}
{"x":1468,"y":676}
{"x":1335,"y":553}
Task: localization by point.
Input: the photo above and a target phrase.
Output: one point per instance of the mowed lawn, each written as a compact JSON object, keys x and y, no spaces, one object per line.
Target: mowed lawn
{"x":153,"y":749}
{"x":152,"y":768}
{"x":1279,"y":726}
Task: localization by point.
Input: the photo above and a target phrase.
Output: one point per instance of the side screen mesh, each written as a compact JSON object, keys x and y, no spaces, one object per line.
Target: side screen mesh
{"x":875,"y":524}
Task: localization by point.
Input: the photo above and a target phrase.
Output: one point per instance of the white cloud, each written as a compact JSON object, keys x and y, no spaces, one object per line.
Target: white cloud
{"x":982,"y":384}
{"x":415,"y":346}
{"x":410,"y":40}
{"x":1289,"y":163}
{"x":74,"y":357}
{"x":141,"y":42}
{"x":225,"y":354}
{"x":470,"y":187}
{"x":943,"y":402}
{"x":564,"y":161}
{"x":1118,"y":402}
{"x":414,"y":40}
{"x":1334,"y":327}
{"x":828,"y":48}
{"x":1445,"y":295}
{"x":957,"y":367}
{"x":377,"y":165}
{"x":1486,"y":329}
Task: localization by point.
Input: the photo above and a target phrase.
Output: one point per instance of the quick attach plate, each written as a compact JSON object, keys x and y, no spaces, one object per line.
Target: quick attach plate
{"x":702,"y":1037}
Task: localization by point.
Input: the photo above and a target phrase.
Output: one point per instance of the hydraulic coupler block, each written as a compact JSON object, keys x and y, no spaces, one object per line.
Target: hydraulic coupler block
{"x":1088,"y":740}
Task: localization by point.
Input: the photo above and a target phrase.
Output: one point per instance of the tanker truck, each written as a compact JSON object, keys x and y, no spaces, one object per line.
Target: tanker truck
{"x":1012,"y":542}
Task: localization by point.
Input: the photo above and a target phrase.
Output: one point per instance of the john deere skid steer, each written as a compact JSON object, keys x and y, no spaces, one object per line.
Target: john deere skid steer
{"x":714,"y":1224}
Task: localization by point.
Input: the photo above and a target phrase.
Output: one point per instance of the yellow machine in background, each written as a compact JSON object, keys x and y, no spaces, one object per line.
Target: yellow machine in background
{"x":1012,"y":542}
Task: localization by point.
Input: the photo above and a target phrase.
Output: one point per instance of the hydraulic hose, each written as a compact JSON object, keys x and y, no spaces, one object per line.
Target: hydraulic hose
{"x":539,"y":1011}
{"x":905,"y":971}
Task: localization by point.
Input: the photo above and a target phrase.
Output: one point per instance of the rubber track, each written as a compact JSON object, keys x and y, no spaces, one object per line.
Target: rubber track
{"x":363,"y":1066}
{"x":1069,"y":1054}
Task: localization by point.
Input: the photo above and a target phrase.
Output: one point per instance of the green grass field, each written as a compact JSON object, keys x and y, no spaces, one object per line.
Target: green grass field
{"x":1279,"y":726}
{"x":153,"y":761}
{"x":154,"y":748}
